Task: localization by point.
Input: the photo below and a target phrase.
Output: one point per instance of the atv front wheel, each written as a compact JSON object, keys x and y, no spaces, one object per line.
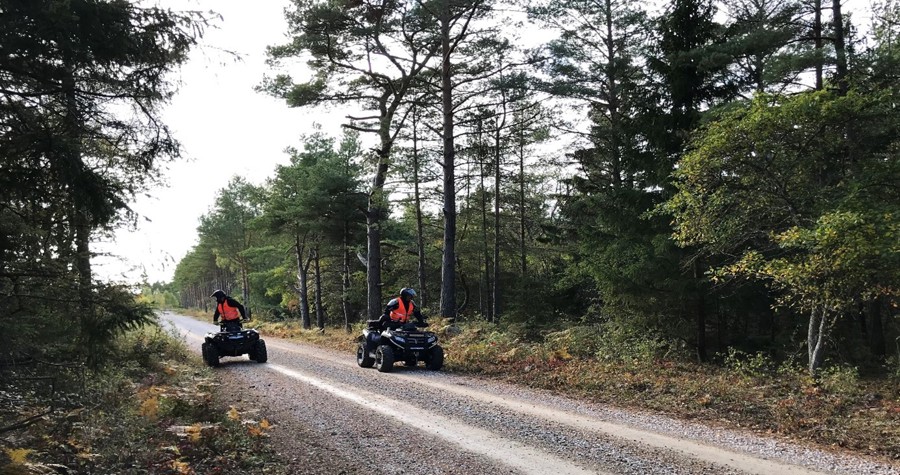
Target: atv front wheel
{"x":384,"y":359}
{"x":211,"y":355}
{"x":362,"y":356}
{"x":435,"y":358}
{"x":259,"y":353}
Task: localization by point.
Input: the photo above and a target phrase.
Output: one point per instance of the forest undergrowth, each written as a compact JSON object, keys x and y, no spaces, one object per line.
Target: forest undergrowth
{"x":151,"y":410}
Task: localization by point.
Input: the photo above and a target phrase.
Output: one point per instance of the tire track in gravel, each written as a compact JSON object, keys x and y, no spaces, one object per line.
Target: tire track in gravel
{"x":338,"y":375}
{"x":508,"y":452}
{"x":699,"y":451}
{"x":524,"y":459}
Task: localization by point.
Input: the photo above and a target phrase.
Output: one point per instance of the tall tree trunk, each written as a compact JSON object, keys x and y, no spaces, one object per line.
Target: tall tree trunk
{"x":302,"y":281}
{"x":876,"y":328}
{"x":486,"y":307}
{"x":345,"y":279}
{"x":245,"y":286}
{"x":615,"y":157}
{"x":815,"y":339}
{"x":320,"y":312}
{"x":74,"y":169}
{"x":496,"y":311}
{"x":840,"y":48}
{"x":83,"y":259}
{"x":817,"y":34}
{"x":374,"y":214}
{"x":523,"y":257}
{"x":700,"y":313}
{"x":448,"y":261}
{"x":420,"y":235}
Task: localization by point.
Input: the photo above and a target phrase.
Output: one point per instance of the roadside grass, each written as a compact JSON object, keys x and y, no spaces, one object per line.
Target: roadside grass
{"x":151,"y":411}
{"x":839,"y":409}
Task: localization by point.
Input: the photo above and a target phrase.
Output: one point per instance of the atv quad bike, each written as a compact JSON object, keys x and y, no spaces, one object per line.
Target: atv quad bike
{"x":233,"y":340}
{"x":406,"y":343}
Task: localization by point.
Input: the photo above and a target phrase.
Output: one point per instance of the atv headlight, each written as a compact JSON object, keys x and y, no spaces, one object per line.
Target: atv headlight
{"x":432,"y":339}
{"x":399,"y":339}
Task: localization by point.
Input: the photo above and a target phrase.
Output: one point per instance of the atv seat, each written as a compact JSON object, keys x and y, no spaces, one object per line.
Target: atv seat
{"x":231,"y":326}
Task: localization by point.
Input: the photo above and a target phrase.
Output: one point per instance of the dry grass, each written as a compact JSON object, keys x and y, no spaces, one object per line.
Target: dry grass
{"x":837,"y":410}
{"x":155,"y":411}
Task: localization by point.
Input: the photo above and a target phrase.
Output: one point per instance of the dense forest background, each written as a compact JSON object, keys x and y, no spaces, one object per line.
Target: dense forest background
{"x":692,"y":209}
{"x":703,"y":178}
{"x":82,"y":84}
{"x":700,"y":178}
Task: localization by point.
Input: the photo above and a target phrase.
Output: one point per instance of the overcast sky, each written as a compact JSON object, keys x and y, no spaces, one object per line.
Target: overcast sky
{"x":225,"y":128}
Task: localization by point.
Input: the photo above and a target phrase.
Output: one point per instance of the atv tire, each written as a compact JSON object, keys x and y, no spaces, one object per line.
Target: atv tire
{"x":435,"y":359}
{"x":211,"y":355}
{"x":384,"y":359}
{"x":362,"y":356}
{"x":259,"y":353}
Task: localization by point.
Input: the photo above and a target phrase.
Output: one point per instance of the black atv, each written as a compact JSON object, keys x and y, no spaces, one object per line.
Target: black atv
{"x":405,"y":343}
{"x":233,"y":340}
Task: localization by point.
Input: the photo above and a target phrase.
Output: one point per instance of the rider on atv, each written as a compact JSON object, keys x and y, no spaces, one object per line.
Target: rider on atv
{"x":231,"y":311}
{"x":393,"y":337}
{"x":399,"y":311}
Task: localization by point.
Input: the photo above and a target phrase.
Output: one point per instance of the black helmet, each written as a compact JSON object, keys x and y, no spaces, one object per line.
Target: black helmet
{"x":407,"y":292}
{"x":217,"y":294}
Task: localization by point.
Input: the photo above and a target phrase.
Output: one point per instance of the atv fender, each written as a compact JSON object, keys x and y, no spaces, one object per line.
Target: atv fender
{"x":373,"y":338}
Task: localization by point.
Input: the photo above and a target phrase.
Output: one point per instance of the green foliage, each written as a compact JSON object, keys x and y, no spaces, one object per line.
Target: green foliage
{"x":624,"y":341}
{"x":840,"y":380}
{"x":794,"y":191}
{"x":259,"y":238}
{"x":159,"y":295}
{"x":318,"y":192}
{"x":845,"y":258}
{"x":768,"y":44}
{"x":197,"y":275}
{"x":775,"y":176}
{"x":227,"y":228}
{"x":580,"y":341}
{"x":754,"y":365}
{"x":146,"y":348}
{"x":82,"y":83}
{"x":116,"y":312}
{"x":694,"y":205}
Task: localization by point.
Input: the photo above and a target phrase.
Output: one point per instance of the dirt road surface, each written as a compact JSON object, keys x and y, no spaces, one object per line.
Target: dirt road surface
{"x":334,"y":417}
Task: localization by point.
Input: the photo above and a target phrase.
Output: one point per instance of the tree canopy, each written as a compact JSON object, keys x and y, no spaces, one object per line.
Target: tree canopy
{"x":715,"y":176}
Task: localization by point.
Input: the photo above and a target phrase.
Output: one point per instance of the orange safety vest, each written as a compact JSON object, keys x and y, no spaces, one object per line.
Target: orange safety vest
{"x":402,"y":313}
{"x":227,"y":312}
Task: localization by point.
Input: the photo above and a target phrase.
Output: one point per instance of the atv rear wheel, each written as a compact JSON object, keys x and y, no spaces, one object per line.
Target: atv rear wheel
{"x":211,"y":355}
{"x":259,"y":353}
{"x":384,"y":359}
{"x":362,"y":356}
{"x":435,"y":358}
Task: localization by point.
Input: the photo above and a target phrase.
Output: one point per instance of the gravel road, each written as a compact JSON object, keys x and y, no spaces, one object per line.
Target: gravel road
{"x":334,"y":417}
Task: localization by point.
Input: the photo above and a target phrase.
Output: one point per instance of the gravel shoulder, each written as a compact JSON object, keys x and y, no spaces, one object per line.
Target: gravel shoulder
{"x":333,"y":417}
